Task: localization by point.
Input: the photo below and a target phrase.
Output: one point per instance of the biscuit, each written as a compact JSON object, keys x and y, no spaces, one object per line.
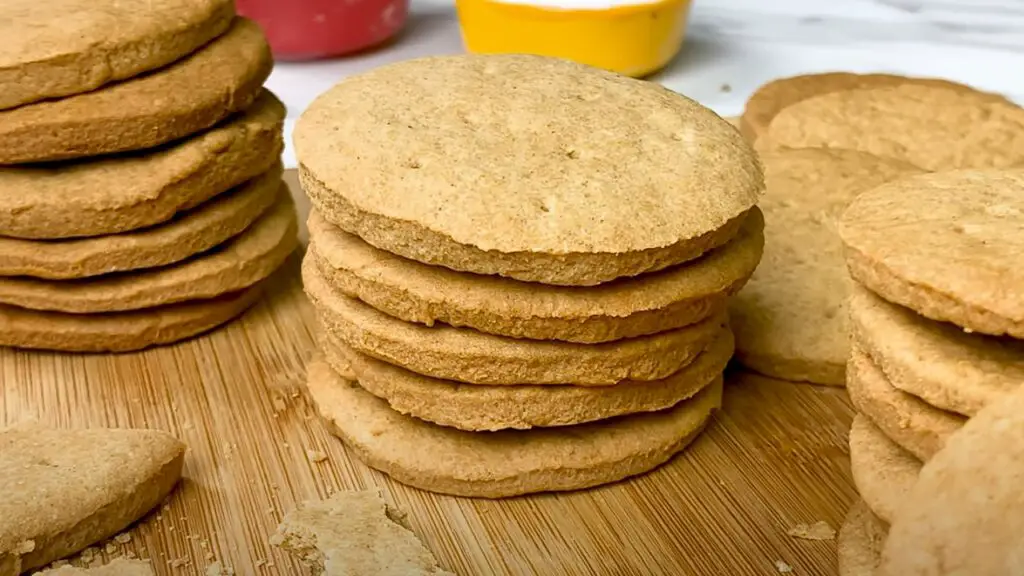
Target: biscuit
{"x":965,"y":514}
{"x":476,"y":407}
{"x":627,"y":178}
{"x":355,"y":532}
{"x":467,"y":355}
{"x":906,"y":419}
{"x":66,"y":489}
{"x":766,"y":102}
{"x":45,"y":55}
{"x":225,"y":76}
{"x":860,"y":542}
{"x":508,"y":462}
{"x":234,"y":265}
{"x":790,"y":319}
{"x":946,"y":245}
{"x":204,"y":227}
{"x":121,"y":331}
{"x":652,"y":303}
{"x":116,"y":567}
{"x":935,"y":361}
{"x":113,"y":194}
{"x":883,"y":472}
{"x":928,"y":126}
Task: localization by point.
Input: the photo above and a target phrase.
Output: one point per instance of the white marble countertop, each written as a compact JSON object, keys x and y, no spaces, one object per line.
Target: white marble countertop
{"x":733,"y":46}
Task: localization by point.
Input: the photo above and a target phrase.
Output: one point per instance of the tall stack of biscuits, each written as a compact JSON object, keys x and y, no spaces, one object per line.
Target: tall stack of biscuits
{"x":141,"y":199}
{"x":521,"y":267}
{"x":937,"y":324}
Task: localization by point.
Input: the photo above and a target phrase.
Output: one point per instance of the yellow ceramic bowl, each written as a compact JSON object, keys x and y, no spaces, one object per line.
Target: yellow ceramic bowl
{"x":635,"y":40}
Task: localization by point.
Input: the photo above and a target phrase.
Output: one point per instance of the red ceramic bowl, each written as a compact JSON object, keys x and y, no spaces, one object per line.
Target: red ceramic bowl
{"x":311,"y":29}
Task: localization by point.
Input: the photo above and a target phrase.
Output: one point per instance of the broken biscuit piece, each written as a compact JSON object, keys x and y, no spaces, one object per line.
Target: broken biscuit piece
{"x":355,"y":533}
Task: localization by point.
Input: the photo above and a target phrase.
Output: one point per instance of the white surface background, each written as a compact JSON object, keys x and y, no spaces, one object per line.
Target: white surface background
{"x":744,"y":43}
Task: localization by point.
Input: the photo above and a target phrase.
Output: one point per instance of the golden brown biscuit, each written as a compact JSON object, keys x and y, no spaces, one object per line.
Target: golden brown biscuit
{"x":508,"y":462}
{"x":467,"y":355}
{"x":946,"y":245}
{"x":126,"y":192}
{"x":790,"y":319}
{"x":173,"y":102}
{"x":466,"y":167}
{"x":648,"y":304}
{"x":883,"y":472}
{"x":190,"y":233}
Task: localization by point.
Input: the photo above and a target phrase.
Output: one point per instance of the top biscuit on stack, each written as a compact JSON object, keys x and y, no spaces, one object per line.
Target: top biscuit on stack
{"x":505,"y":246}
{"x":141,"y":199}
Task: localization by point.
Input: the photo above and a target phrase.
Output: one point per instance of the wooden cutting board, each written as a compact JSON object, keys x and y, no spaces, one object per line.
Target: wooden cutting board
{"x":775,"y":457}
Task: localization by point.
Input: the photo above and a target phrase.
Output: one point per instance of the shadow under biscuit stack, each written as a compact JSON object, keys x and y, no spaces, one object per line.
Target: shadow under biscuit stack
{"x":515,"y":302}
{"x":141,"y":199}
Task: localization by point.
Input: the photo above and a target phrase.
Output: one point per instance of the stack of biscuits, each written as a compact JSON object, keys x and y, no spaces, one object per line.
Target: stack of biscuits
{"x":141,"y":199}
{"x":521,"y":267}
{"x":823,"y":140}
{"x":937,"y":325}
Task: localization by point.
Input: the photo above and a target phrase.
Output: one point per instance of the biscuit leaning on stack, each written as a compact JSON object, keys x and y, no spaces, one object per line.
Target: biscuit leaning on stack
{"x":525,"y":264}
{"x":937,"y":323}
{"x":141,"y":199}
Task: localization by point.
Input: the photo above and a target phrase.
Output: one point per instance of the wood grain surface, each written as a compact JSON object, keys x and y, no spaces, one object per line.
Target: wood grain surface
{"x":775,"y":457}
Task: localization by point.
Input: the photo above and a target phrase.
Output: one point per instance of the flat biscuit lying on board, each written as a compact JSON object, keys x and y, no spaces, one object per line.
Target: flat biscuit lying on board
{"x":861,"y":539}
{"x":464,"y":166}
{"x":965,"y":514}
{"x":208,"y":225}
{"x":355,"y":533}
{"x":117,"y":567}
{"x":935,"y":361}
{"x":906,"y":419}
{"x":946,"y":245}
{"x":466,"y":355}
{"x":113,"y":194}
{"x":883,"y":472}
{"x":66,"y":489}
{"x":790,"y":319}
{"x":933,"y":128}
{"x":45,"y":54}
{"x":235,"y":265}
{"x":652,"y":303}
{"x":121,"y":331}
{"x":509,"y":462}
{"x":766,"y":102}
{"x":225,"y":76}
{"x":476,"y":407}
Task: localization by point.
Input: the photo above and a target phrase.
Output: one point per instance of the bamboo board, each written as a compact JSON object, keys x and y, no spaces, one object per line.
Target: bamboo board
{"x":776,"y":456}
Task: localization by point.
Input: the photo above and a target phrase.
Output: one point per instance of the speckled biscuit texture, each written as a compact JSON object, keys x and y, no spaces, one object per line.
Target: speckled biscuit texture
{"x":883,"y":472}
{"x":476,"y":407}
{"x":112,"y":194}
{"x":121,"y":331}
{"x":191,"y":233}
{"x":910,"y":422}
{"x":935,"y":361}
{"x":470,"y":356}
{"x":414,"y":292}
{"x":931,"y":127}
{"x":509,"y":462}
{"x":45,"y":54}
{"x":235,"y":265}
{"x":167,"y":104}
{"x":946,"y":245}
{"x":116,"y":567}
{"x":627,"y":178}
{"x":768,"y":100}
{"x":860,"y":542}
{"x":965,"y":514}
{"x":790,"y":319}
{"x":66,"y":489}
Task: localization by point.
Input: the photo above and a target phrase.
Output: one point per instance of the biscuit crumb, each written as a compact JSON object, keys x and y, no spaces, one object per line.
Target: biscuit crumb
{"x":110,"y":548}
{"x":178,"y":562}
{"x":218,"y":569}
{"x":316,"y":456}
{"x":818,"y":531}
{"x":123,"y":538}
{"x":24,"y":547}
{"x":783,"y":568}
